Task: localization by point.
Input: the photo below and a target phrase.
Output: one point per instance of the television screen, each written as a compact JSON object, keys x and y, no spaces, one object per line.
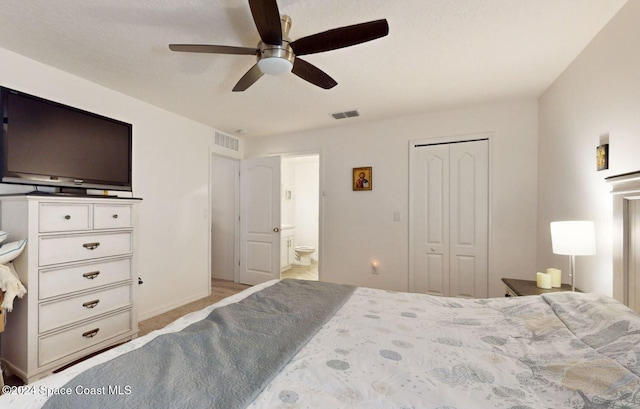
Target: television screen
{"x":47,"y":143}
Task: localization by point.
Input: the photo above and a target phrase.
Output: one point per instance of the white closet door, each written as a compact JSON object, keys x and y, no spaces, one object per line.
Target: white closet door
{"x":430,"y":220}
{"x":469,"y":195}
{"x":449,"y":219}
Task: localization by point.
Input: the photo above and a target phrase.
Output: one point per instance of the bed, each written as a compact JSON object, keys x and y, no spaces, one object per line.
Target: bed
{"x":322,"y":345}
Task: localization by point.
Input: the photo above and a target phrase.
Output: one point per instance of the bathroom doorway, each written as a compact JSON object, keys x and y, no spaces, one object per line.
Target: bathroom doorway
{"x":300,"y":216}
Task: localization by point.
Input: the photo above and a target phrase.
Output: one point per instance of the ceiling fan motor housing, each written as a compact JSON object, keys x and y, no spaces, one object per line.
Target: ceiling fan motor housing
{"x":274,"y":59}
{"x":277,"y":59}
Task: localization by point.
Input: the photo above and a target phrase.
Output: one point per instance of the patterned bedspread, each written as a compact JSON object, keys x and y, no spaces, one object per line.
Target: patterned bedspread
{"x":399,"y":350}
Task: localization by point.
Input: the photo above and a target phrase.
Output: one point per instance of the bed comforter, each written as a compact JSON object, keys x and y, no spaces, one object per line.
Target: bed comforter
{"x":385,"y":349}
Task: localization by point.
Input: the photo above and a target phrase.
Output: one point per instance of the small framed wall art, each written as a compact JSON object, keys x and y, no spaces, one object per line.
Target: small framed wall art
{"x":362,"y":178}
{"x":602,"y":156}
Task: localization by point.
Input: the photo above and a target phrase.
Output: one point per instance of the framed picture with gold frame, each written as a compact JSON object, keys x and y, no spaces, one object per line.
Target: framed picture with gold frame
{"x":362,"y":178}
{"x":602,"y":157}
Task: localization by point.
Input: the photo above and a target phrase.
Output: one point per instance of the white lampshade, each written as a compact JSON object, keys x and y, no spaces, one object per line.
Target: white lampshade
{"x":275,"y":65}
{"x":577,"y":238}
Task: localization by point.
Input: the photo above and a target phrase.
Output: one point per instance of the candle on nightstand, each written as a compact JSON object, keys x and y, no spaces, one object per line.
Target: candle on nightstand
{"x":556,"y":277}
{"x":543,"y":280}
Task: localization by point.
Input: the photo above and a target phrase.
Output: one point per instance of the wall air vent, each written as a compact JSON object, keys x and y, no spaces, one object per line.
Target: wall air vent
{"x":345,"y":114}
{"x":226,"y":141}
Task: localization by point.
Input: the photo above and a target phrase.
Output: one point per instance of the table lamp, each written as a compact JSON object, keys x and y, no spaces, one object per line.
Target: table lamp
{"x":573,"y":238}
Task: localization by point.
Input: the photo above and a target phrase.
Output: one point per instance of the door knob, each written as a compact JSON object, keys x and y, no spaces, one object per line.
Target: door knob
{"x":275,"y":229}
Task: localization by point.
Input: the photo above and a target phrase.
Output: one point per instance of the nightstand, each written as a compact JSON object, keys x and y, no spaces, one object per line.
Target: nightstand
{"x":518,"y":288}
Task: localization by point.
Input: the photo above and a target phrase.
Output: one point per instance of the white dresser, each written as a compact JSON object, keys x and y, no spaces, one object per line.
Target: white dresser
{"x":79,"y":271}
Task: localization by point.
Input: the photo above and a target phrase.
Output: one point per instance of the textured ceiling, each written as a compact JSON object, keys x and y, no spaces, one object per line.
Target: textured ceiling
{"x":439,"y":54}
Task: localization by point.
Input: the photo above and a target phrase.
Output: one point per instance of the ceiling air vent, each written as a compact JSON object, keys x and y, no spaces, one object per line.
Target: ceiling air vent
{"x":226,"y":141}
{"x":345,"y":114}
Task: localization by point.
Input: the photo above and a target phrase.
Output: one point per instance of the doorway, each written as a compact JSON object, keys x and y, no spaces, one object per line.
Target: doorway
{"x":300,"y":216}
{"x":260,"y":245}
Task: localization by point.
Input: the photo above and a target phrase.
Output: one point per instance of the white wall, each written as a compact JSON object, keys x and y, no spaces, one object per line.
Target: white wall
{"x":359,"y":226}
{"x":597,"y":99}
{"x":170,"y":172}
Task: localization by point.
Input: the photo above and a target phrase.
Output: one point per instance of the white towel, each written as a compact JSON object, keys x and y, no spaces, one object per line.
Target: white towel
{"x":11,"y":285}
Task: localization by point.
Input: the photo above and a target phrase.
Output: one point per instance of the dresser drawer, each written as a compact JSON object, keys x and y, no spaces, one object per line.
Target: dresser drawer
{"x":58,"y":281}
{"x":63,"y":249}
{"x":112,"y":216}
{"x":56,"y":217}
{"x":61,"y":344}
{"x":56,"y":314}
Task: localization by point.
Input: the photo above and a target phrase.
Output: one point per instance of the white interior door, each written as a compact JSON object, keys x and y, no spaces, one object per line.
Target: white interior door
{"x":429,"y":266}
{"x":449,"y":218}
{"x":468,"y":216}
{"x":259,"y":220}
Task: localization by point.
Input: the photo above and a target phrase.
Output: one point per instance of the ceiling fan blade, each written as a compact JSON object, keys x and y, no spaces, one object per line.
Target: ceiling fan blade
{"x":248,"y":79}
{"x":313,"y":74}
{"x":340,"y":37}
{"x":267,"y":19}
{"x":215,"y":49}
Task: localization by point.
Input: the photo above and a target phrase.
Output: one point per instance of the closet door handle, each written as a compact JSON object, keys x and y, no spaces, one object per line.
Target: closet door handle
{"x":91,"y":334}
{"x":91,"y":246}
{"x":91,"y":275}
{"x":90,"y":304}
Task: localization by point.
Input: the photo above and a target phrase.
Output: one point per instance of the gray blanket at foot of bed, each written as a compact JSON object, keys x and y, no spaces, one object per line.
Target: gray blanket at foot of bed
{"x":223,"y":361}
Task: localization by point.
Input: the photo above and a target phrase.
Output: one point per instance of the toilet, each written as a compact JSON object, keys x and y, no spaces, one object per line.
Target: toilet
{"x":303,"y":255}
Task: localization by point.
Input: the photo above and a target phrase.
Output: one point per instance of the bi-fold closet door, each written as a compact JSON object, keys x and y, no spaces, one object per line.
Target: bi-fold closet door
{"x":448,"y":216}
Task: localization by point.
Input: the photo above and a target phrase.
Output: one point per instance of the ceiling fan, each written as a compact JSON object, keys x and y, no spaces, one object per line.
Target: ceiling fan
{"x":277,"y":54}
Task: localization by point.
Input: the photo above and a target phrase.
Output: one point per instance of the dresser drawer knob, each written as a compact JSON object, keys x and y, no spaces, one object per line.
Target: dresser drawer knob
{"x":90,"y":304}
{"x":115,"y":216}
{"x":67,"y":217}
{"x":91,"y":246}
{"x":91,"y":275}
{"x":91,"y":334}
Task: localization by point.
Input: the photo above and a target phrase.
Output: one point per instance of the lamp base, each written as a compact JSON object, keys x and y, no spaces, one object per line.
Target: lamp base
{"x":572,"y":272}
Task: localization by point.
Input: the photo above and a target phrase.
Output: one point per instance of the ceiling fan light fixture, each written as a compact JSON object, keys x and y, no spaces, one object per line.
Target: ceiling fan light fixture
{"x":275,"y":65}
{"x":275,"y":59}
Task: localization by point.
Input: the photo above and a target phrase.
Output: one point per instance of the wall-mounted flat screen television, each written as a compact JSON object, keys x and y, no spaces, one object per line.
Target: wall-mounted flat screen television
{"x":46,"y":143}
